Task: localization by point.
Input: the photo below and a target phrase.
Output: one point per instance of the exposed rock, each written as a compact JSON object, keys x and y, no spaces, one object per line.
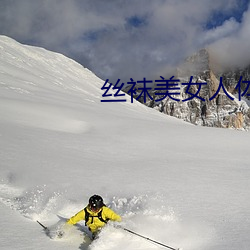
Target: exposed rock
{"x":206,"y":108}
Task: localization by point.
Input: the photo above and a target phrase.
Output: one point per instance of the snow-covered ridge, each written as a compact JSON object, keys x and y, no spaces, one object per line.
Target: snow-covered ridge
{"x":33,"y":74}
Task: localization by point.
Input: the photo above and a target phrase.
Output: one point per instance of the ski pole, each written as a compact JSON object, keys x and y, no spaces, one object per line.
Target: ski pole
{"x":45,"y":228}
{"x":146,"y":238}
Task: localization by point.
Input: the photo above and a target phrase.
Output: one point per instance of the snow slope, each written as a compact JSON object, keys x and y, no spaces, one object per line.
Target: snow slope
{"x":176,"y":183}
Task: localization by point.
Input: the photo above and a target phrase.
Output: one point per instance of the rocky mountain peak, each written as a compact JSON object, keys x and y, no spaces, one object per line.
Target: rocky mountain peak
{"x":210,"y":99}
{"x":196,"y":64}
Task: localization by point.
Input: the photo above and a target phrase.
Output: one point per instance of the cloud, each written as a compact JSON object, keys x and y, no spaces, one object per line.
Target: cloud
{"x":122,"y":39}
{"x":229,"y":27}
{"x":233,"y":49}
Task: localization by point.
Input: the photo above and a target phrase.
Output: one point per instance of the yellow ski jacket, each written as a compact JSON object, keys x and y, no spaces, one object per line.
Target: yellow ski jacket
{"x":94,"y":223}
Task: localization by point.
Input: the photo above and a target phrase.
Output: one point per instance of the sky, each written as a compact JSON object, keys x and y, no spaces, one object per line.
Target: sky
{"x":118,"y":39}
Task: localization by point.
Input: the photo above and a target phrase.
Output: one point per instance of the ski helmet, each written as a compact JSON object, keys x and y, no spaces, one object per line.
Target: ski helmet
{"x":95,"y":202}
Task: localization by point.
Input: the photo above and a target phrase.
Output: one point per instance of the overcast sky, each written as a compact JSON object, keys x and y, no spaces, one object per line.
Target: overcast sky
{"x":131,"y":38}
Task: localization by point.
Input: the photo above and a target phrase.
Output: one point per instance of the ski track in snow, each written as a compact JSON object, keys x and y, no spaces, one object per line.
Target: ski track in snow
{"x":145,"y":214}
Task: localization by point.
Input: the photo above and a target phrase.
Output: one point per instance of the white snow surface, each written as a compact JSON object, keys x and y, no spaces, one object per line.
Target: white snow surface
{"x":182,"y":185}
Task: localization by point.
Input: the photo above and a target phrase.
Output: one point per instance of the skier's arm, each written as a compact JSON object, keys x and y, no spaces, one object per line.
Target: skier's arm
{"x":110,"y":214}
{"x":77,"y":217}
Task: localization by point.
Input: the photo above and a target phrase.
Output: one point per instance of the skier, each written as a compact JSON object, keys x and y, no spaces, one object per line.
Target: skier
{"x":95,"y":214}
